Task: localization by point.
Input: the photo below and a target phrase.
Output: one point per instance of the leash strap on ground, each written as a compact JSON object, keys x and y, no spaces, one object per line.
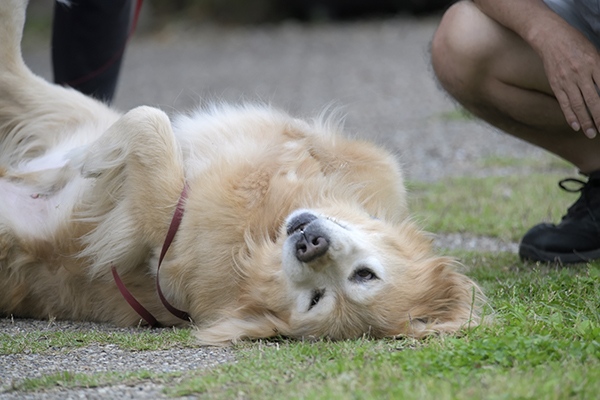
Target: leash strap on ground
{"x":140,"y":309}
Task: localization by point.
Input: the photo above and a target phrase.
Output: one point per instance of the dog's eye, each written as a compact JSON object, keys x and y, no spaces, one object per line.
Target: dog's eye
{"x":363,"y":275}
{"x":316,"y":296}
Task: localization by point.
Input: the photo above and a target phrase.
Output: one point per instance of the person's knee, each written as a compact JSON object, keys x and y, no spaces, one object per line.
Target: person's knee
{"x":461,"y":48}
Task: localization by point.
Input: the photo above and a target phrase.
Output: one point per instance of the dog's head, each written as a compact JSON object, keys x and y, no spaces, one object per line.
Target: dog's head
{"x":344,"y":274}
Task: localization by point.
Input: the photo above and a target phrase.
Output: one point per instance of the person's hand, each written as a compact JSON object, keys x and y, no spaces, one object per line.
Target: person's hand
{"x":572,"y":66}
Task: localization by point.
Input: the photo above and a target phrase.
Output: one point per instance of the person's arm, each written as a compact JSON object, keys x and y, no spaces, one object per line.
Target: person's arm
{"x":571,"y":61}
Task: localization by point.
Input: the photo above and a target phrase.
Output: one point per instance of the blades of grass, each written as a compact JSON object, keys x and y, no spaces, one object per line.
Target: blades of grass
{"x":502,"y":207}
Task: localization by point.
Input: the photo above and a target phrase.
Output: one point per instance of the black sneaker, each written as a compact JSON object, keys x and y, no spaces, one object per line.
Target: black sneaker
{"x":576,"y":238}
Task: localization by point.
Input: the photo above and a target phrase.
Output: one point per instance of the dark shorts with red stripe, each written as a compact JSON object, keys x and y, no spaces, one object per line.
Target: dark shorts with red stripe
{"x":88,"y":41}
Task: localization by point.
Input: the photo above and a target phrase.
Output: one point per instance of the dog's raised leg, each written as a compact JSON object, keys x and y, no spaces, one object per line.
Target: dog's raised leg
{"x":36,"y":115}
{"x":138,"y":177}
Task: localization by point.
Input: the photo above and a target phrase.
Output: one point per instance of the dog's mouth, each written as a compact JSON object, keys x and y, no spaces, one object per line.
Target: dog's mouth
{"x":299,"y":222}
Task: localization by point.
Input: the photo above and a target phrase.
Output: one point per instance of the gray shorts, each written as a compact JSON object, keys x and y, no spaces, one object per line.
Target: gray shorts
{"x":584,"y":15}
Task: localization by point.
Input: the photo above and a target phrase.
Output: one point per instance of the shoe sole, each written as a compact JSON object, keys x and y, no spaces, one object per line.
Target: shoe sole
{"x":527,"y":252}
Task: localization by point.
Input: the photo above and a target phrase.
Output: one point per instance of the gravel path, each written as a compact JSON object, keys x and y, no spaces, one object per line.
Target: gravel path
{"x":378,"y":74}
{"x":96,"y":358}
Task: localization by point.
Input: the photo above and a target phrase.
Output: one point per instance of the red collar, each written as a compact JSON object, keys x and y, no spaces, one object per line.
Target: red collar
{"x":141,"y":310}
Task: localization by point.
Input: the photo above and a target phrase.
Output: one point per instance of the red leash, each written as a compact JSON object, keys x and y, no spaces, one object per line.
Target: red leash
{"x":141,"y":310}
{"x":136,"y":15}
{"x":170,"y":235}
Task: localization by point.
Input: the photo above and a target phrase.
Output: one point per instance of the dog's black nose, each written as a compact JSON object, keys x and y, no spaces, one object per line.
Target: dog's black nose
{"x":311,"y":246}
{"x":300,"y":221}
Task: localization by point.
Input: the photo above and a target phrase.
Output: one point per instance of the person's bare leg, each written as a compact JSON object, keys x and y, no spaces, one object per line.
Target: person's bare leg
{"x":495,"y":75}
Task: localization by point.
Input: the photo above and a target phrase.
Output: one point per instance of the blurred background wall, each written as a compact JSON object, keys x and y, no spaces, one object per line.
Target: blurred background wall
{"x":158,"y":13}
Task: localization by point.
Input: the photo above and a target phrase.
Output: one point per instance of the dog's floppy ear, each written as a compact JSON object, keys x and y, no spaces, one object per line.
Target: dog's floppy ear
{"x":444,"y":301}
{"x":239,"y":326}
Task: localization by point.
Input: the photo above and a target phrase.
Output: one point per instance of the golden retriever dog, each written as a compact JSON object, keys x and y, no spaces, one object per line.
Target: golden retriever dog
{"x":286,"y":228}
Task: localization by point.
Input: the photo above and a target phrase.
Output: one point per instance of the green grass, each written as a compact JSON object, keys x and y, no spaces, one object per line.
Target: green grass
{"x":503,"y":207}
{"x":38,"y":27}
{"x":36,"y":342}
{"x":68,"y":380}
{"x":543,"y":341}
{"x":549,"y":162}
{"x":458,"y":114}
{"x":441,"y":369}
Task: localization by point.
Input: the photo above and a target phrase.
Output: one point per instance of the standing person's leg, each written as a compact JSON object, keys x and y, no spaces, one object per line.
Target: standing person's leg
{"x":88,"y":41}
{"x":495,"y":75}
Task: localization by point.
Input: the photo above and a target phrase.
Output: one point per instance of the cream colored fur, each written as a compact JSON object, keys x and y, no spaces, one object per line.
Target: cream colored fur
{"x":83,"y":187}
